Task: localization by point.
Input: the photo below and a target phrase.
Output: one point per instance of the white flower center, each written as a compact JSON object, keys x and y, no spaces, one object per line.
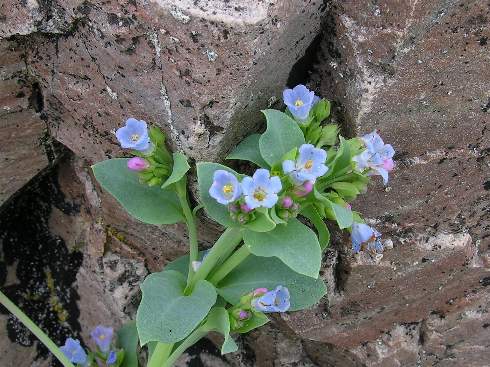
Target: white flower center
{"x":135,"y":137}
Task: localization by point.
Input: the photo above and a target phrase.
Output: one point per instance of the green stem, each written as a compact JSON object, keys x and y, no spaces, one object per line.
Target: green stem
{"x":325,"y":184}
{"x":28,"y":323}
{"x":193,"y":338}
{"x":229,"y":239}
{"x":160,"y":354}
{"x":191,"y":226}
{"x":230,"y":264}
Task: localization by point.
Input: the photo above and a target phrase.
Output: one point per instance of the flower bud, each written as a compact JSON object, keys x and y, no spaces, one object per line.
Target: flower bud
{"x":138,"y":164}
{"x":259,"y":291}
{"x":243,"y":315}
{"x":304,"y":189}
{"x":287,"y":202}
{"x":245,"y":208}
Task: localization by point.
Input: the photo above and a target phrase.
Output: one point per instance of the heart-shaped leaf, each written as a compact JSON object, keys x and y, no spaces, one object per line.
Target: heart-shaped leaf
{"x":165,"y":314}
{"x":179,"y":169}
{"x":219,"y":321}
{"x":282,"y":135}
{"x":217,"y":211}
{"x":295,"y":244}
{"x":248,"y":150}
{"x":262,"y":222}
{"x":148,"y":204}
{"x":269,"y":272}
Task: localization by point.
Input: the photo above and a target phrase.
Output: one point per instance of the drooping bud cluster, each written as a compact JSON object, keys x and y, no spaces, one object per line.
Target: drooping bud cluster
{"x":261,"y":300}
{"x":105,"y":353}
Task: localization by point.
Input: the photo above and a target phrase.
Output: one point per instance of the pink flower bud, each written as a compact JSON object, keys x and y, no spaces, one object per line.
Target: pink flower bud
{"x":259,"y":292}
{"x":233,"y":208}
{"x":304,"y":189}
{"x":388,"y":164}
{"x":287,"y":202}
{"x":245,"y":208}
{"x":243,"y":315}
{"x":138,"y":164}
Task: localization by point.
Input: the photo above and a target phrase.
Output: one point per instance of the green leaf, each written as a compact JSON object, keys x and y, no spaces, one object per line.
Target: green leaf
{"x":269,"y":272}
{"x":215,"y":210}
{"x":275,"y":217}
{"x":257,"y":320}
{"x":321,"y":110}
{"x":347,"y":190}
{"x":248,"y":150}
{"x":219,"y":321}
{"x":262,"y":221}
{"x":179,"y":169}
{"x":314,"y":217}
{"x":342,"y":158}
{"x":342,"y":214}
{"x":295,"y":244}
{"x":148,"y":204}
{"x":282,"y":135}
{"x":165,"y":314}
{"x":127,"y":339}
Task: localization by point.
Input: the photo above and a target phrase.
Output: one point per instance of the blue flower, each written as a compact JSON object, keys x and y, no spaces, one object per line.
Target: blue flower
{"x":299,"y":100}
{"x":377,"y":158}
{"x":308,"y":166}
{"x":74,"y":351}
{"x":102,"y":336}
{"x":261,"y":189}
{"x":365,"y":238}
{"x":225,"y":188}
{"x":273,"y":301}
{"x":134,"y":135}
{"x":111,"y":358}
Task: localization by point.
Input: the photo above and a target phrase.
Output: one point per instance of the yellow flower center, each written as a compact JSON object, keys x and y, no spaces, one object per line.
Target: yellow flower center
{"x":309,"y":164}
{"x":102,"y":337}
{"x":227,"y":189}
{"x":135,"y":137}
{"x":299,"y":103}
{"x":259,"y":195}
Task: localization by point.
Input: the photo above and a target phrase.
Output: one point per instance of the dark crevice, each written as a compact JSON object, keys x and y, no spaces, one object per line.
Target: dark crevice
{"x":36,"y":100}
{"x":302,"y":69}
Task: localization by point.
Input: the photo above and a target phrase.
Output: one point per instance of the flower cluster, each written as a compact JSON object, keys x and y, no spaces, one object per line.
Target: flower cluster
{"x":153,"y":162}
{"x":377,"y":159}
{"x":104,"y":355}
{"x":264,"y":190}
{"x":261,"y":300}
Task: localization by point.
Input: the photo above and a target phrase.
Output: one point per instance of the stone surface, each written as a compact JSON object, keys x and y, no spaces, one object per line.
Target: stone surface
{"x":414,"y":70}
{"x":24,"y":155}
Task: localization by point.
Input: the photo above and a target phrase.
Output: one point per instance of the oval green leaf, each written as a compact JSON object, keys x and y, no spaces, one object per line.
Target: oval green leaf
{"x":282,"y":135}
{"x":248,"y":150}
{"x":165,"y":314}
{"x":269,"y":272}
{"x":219,"y":321}
{"x":127,"y":339}
{"x":148,"y":204}
{"x":294,"y":244}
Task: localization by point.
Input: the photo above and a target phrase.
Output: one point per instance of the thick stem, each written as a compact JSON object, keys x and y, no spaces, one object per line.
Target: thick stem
{"x":160,"y":355}
{"x":230,"y":264}
{"x":191,"y":226}
{"x":229,"y":239}
{"x":28,"y":323}
{"x":193,"y":338}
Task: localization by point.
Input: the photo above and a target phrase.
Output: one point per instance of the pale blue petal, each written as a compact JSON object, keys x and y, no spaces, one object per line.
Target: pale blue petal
{"x":248,"y":186}
{"x":251,"y":202}
{"x":387,"y":151}
{"x":261,"y":178}
{"x":288,"y":166}
{"x":361,"y":233}
{"x":269,"y":201}
{"x":275,"y":184}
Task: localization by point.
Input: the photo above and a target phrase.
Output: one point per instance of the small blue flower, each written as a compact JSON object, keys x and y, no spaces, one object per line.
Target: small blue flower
{"x":111,"y":358}
{"x":308,"y":166}
{"x":225,"y":188}
{"x":299,"y":100}
{"x":365,"y":237}
{"x":134,"y":135}
{"x":102,"y":336}
{"x":273,"y":301}
{"x":377,"y":158}
{"x":261,"y":189}
{"x":74,"y":351}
